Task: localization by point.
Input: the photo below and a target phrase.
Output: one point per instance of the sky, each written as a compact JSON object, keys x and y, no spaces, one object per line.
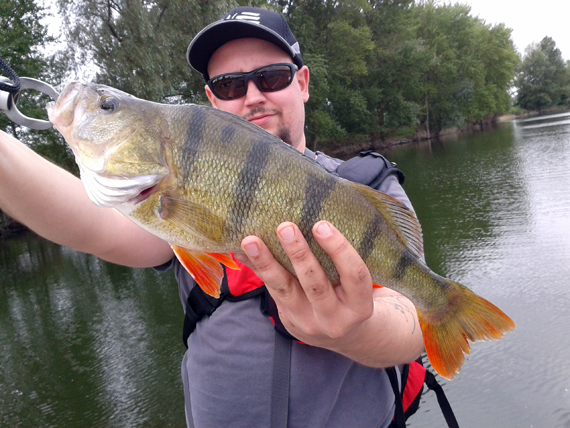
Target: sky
{"x":530,"y":21}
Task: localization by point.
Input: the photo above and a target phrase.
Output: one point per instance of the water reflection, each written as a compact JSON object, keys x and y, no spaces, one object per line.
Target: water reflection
{"x":494,"y":208}
{"x":86,"y":343}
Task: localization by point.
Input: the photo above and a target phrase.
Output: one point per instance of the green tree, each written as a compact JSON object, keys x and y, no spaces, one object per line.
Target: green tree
{"x":471,"y":67}
{"x":397,"y":66}
{"x":496,"y":68}
{"x":139,"y":46}
{"x":565,"y":98}
{"x":24,"y":39}
{"x":543,"y":78}
{"x":337,"y":44}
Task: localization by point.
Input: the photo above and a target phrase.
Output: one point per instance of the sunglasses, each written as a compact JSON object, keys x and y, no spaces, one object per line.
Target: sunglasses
{"x":270,"y":78}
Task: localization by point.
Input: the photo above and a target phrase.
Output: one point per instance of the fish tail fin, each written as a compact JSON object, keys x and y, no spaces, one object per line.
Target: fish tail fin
{"x":471,"y":318}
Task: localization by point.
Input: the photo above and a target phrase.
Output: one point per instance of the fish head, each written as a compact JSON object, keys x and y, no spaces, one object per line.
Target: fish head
{"x":118,"y":140}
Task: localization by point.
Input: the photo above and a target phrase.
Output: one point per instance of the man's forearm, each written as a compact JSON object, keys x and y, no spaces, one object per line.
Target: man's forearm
{"x":390,"y":337}
{"x":54,"y":204}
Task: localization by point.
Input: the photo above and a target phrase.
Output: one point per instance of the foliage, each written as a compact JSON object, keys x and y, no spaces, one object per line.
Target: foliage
{"x":139,"y":46}
{"x":471,"y":69}
{"x":544,"y":79}
{"x":383,"y":65}
{"x":24,"y":39}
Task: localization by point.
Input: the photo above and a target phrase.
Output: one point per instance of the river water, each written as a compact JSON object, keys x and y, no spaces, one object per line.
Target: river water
{"x":84,"y":343}
{"x":495,"y":211}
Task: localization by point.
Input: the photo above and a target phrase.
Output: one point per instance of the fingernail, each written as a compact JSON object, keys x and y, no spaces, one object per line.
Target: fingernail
{"x":251,"y":249}
{"x":323,"y":230}
{"x":287,"y":234}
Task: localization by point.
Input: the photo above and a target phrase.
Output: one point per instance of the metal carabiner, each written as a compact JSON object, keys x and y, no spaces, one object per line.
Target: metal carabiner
{"x":8,"y":102}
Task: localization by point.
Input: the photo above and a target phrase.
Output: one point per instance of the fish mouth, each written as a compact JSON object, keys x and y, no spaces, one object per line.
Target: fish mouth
{"x":63,"y":111}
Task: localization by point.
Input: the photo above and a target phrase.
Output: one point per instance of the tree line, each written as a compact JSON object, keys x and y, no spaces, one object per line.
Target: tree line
{"x":379,"y":68}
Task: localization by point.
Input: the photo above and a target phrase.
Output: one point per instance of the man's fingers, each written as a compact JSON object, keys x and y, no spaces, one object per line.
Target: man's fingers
{"x":309,"y":272}
{"x":354,"y":275}
{"x":269,"y":270}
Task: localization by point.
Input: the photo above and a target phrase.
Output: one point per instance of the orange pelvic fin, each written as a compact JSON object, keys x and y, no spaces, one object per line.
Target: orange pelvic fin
{"x":225,"y":259}
{"x":205,"y":268}
{"x":446,"y":336}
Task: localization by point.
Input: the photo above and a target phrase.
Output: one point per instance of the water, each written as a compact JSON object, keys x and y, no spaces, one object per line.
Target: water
{"x":84,"y":343}
{"x":495,"y":209}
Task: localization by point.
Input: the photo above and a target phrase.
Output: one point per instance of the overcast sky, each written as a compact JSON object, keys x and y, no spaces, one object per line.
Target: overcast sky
{"x":530,"y":21}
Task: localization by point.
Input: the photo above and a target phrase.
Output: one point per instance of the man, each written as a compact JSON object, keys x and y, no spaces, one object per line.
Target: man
{"x":349,"y":333}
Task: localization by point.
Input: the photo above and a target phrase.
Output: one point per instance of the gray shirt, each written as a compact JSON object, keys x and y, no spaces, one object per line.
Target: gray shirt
{"x":227,"y":369}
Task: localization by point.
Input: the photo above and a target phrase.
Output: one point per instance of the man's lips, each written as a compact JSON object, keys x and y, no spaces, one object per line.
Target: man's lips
{"x":261,"y":120}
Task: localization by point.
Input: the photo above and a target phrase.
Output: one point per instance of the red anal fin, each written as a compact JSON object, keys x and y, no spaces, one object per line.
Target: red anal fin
{"x":225,"y":259}
{"x":377,"y":286}
{"x":205,"y":269}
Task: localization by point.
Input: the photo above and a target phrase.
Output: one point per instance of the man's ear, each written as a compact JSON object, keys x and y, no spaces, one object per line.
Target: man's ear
{"x":211,"y":97}
{"x":303,"y":81}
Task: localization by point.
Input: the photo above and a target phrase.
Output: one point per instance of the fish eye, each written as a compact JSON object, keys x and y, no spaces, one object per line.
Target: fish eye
{"x":109,"y":103}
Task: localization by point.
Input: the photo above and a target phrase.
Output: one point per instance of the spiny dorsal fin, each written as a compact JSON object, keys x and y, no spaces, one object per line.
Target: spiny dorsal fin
{"x":402,"y":220}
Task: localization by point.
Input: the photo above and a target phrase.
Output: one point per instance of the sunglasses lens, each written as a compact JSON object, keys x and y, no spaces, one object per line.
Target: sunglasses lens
{"x":273,"y":78}
{"x":229,"y":86}
{"x":268,"y":79}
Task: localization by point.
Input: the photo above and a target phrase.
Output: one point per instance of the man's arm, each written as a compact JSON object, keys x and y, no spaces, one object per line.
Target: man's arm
{"x":377,"y":328}
{"x":54,"y":204}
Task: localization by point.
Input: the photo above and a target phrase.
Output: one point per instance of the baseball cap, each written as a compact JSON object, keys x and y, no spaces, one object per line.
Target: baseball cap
{"x":239,"y":23}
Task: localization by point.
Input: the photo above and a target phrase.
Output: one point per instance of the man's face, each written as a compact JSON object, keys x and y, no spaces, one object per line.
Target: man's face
{"x":282,"y":112}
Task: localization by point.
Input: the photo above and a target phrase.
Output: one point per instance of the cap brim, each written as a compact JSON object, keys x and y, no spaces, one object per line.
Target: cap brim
{"x":219,"y":33}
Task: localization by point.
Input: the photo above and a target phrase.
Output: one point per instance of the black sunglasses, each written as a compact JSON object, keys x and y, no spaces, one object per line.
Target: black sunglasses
{"x":270,"y":78}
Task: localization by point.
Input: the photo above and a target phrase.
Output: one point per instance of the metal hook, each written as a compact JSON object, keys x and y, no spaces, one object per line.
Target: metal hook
{"x":8,"y":102}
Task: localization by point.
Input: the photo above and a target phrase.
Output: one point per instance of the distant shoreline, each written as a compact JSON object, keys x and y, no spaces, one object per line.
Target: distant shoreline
{"x":345,"y":152}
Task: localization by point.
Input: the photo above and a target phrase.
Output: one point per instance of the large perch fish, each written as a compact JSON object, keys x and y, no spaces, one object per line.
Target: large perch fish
{"x":203,"y":179}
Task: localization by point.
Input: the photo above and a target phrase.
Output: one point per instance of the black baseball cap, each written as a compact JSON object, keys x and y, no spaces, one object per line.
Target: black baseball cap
{"x":240,"y":23}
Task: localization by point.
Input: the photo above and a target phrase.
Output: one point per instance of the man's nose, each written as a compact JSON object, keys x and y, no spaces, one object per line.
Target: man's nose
{"x":253,"y":95}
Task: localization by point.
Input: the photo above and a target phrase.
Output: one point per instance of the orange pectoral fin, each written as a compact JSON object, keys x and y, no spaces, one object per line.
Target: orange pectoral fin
{"x":204,"y":268}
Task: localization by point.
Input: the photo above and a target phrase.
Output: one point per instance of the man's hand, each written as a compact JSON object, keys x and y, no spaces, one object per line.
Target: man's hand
{"x":350,"y":318}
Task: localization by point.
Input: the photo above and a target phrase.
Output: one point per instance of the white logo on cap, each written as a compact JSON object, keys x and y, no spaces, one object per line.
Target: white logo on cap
{"x":245,"y":16}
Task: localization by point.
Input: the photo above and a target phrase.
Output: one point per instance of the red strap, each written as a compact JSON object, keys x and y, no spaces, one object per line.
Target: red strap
{"x":243,"y":280}
{"x":414,"y":384}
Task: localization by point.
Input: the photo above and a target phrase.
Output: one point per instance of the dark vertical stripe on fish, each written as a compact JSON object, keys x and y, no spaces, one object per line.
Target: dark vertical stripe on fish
{"x":247,"y":185}
{"x":317,"y":191}
{"x":194,"y":139}
{"x":406,"y":260}
{"x":228,"y":132}
{"x":373,"y":230}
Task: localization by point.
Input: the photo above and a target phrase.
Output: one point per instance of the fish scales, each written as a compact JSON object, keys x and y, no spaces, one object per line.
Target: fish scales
{"x":243,"y":194}
{"x":203,"y":179}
